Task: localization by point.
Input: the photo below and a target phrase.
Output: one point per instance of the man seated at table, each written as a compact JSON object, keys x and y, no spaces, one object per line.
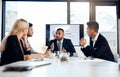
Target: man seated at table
{"x":29,"y":34}
{"x":99,"y":47}
{"x":61,"y":44}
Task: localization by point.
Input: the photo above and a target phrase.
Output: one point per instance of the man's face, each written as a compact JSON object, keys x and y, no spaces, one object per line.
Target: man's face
{"x":59,"y":35}
{"x":30,"y":32}
{"x":90,"y":32}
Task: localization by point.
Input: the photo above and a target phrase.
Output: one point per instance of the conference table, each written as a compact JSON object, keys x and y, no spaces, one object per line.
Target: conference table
{"x":75,"y":67}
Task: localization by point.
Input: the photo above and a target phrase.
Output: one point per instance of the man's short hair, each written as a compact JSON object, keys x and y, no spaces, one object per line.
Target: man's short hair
{"x":30,"y":24}
{"x":93,"y":25}
{"x":60,"y":29}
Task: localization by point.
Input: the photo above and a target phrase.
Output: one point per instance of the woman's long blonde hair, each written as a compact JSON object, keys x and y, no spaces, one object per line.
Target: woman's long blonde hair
{"x":17,"y":27}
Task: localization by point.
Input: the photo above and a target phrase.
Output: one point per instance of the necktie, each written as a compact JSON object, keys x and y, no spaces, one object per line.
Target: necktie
{"x":91,"y":43}
{"x":59,"y":46}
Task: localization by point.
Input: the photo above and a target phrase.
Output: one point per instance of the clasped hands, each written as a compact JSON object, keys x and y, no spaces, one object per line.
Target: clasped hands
{"x":83,"y":42}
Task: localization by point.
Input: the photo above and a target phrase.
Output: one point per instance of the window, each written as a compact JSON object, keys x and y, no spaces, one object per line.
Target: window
{"x":107,"y":19}
{"x":0,"y":19}
{"x":38,"y":13}
{"x":42,"y":13}
{"x":79,"y":14}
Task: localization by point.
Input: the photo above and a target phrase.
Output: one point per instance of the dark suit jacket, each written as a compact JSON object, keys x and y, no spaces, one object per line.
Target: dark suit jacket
{"x":101,"y":49}
{"x":12,"y":51}
{"x":67,"y":44}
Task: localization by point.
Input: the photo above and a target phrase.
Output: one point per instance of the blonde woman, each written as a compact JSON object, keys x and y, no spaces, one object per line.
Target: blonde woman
{"x":11,"y":46}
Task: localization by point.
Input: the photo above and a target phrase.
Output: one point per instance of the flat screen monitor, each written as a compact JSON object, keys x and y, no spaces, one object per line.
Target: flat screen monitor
{"x":72,"y":31}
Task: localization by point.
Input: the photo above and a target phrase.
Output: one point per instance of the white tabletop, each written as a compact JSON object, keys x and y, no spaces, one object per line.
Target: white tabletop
{"x":75,"y":67}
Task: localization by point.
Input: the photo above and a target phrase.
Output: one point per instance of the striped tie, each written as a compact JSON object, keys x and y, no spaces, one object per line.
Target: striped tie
{"x":59,"y":46}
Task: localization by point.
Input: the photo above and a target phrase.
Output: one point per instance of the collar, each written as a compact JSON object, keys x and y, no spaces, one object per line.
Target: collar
{"x":60,"y":41}
{"x":96,"y":37}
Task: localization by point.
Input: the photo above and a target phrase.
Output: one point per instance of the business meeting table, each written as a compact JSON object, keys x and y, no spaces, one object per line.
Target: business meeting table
{"x":75,"y":67}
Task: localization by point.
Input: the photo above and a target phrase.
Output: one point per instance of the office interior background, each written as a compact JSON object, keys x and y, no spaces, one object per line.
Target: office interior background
{"x":42,"y":12}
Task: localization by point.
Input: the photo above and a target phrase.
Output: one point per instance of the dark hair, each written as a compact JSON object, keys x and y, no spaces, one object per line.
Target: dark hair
{"x":60,"y":29}
{"x":93,"y":25}
{"x":30,"y":24}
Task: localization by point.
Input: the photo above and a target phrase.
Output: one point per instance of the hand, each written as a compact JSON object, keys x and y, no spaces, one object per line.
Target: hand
{"x":64,"y":50}
{"x":26,"y":57}
{"x":52,"y":47}
{"x":33,"y":56}
{"x":47,"y":53}
{"x":27,"y":46}
{"x":83,"y":42}
{"x":25,"y":38}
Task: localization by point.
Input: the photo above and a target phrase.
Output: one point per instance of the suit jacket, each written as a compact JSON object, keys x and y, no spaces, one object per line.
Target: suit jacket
{"x":12,"y":51}
{"x":67,"y":44}
{"x":101,"y":49}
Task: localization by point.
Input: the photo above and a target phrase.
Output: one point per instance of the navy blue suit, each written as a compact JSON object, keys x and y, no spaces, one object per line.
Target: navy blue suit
{"x":100,"y":50}
{"x":67,"y":44}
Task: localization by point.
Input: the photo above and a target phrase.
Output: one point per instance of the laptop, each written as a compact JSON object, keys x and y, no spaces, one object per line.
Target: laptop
{"x":25,"y":65}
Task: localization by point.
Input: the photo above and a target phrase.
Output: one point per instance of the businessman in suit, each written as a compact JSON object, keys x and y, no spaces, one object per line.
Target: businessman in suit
{"x":99,"y":47}
{"x":29,"y":34}
{"x":34,"y":54}
{"x":61,"y":44}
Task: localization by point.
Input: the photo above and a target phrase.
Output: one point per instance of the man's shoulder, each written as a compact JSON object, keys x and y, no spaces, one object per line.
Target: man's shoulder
{"x":53,"y":40}
{"x":101,"y":37}
{"x":66,"y":39}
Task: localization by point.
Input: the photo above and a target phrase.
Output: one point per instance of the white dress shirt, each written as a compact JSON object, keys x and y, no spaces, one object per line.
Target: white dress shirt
{"x":95,"y":39}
